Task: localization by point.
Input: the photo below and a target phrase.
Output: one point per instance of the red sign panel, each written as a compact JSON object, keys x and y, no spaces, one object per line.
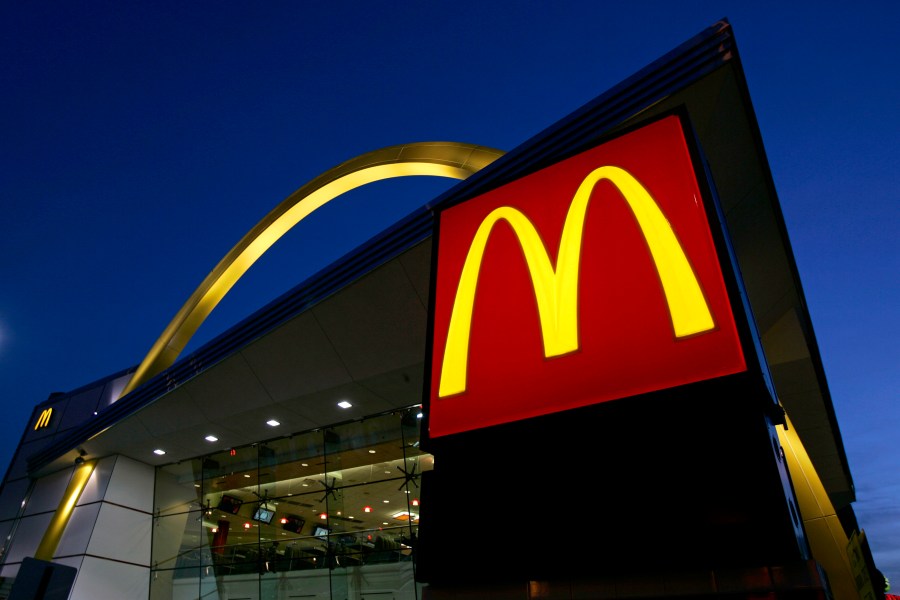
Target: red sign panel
{"x":594,"y":279}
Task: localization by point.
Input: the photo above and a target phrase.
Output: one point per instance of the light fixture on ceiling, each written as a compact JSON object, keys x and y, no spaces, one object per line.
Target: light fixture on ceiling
{"x":211,"y":438}
{"x":272,"y":423}
{"x":405,"y":516}
{"x":344,"y":404}
{"x":159,"y":452}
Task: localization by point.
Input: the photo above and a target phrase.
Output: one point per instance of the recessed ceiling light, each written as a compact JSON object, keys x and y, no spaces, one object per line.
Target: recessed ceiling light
{"x":247,"y":476}
{"x":272,"y":423}
{"x":159,"y":451}
{"x":211,"y":438}
{"x":371,"y":452}
{"x":344,"y":404}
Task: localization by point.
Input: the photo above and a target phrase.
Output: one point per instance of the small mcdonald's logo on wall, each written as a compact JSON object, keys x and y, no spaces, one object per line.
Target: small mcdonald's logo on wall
{"x":593,"y":279}
{"x":44,"y":419}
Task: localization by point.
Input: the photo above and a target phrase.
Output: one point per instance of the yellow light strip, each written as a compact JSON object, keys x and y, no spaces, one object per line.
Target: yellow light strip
{"x":60,"y":519}
{"x":824,"y":532}
{"x":439,"y":159}
{"x":556,"y":289}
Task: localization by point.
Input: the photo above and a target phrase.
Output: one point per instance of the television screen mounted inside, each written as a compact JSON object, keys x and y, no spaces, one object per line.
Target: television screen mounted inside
{"x":263,"y":515}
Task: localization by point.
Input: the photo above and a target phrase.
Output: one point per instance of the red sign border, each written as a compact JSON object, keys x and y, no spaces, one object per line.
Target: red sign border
{"x":748,"y":338}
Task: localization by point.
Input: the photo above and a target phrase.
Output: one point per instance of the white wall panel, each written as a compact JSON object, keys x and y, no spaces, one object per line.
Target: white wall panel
{"x":100,"y":579}
{"x":48,"y":491}
{"x":131,"y":484}
{"x":122,"y":534}
{"x":28,"y":535}
{"x":78,"y":532}
{"x":96,"y":485}
{"x":70,"y":561}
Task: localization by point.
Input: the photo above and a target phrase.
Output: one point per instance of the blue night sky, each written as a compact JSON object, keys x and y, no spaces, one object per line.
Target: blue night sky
{"x":139,"y":141}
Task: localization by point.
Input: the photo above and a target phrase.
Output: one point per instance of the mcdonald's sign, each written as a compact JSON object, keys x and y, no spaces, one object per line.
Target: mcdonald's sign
{"x":44,"y":419}
{"x":593,"y":279}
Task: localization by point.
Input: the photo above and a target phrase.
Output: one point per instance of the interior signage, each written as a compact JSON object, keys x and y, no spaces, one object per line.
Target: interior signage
{"x":593,"y":279}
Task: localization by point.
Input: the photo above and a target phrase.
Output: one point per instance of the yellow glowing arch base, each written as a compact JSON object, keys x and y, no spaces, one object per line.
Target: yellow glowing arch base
{"x":440,"y":159}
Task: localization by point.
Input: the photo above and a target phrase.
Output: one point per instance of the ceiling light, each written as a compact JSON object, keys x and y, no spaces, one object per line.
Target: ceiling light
{"x":272,"y":423}
{"x":159,"y":451}
{"x":344,"y":404}
{"x":246,"y":475}
{"x":371,"y":452}
{"x":211,"y":438}
{"x":406,"y":516}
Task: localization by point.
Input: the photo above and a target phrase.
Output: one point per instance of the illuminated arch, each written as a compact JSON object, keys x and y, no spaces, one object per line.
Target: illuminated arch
{"x":439,"y":159}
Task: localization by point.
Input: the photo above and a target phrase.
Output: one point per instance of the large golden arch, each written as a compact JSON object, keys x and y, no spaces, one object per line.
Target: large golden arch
{"x":440,"y":159}
{"x":556,"y":287}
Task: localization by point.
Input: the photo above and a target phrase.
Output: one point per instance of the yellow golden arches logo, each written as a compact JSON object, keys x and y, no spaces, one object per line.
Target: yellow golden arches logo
{"x":556,"y":289}
{"x":455,"y":160}
{"x":44,"y":419}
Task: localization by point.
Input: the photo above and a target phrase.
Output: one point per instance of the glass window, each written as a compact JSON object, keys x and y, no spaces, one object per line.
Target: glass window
{"x":303,"y":514}
{"x":12,"y":500}
{"x":178,"y":488}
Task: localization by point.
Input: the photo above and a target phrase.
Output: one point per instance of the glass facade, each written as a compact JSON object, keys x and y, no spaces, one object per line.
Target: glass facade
{"x":331,"y":513}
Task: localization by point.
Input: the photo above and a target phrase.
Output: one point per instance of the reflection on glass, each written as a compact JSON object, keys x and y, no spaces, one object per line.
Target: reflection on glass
{"x":308,"y":513}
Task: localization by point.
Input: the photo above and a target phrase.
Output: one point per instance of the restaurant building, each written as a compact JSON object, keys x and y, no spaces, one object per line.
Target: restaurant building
{"x":585,"y":371}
